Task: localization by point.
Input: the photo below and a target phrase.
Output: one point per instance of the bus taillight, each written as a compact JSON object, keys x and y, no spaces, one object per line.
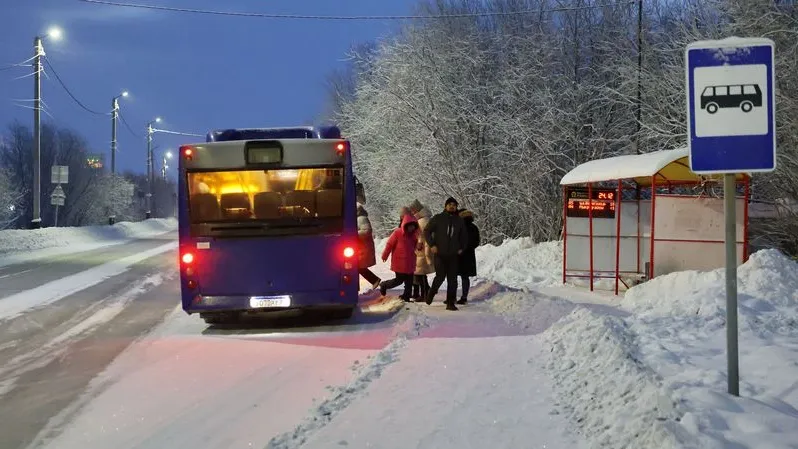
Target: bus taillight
{"x":187,"y":258}
{"x":340,"y":149}
{"x":349,"y":252}
{"x":188,"y":153}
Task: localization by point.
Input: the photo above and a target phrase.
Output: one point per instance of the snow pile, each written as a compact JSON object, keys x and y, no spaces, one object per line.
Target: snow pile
{"x":598,"y":379}
{"x":521,"y":263}
{"x":516,"y":263}
{"x":76,"y":239}
{"x":614,"y":398}
{"x":679,"y":321}
{"x":653,"y":373}
{"x":767,"y":296}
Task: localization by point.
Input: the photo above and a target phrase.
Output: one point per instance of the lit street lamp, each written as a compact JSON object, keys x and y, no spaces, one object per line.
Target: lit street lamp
{"x":150,"y":175}
{"x":38,"y":52}
{"x":166,"y":156}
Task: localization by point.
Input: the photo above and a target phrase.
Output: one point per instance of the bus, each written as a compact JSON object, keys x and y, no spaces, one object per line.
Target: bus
{"x":267,"y":222}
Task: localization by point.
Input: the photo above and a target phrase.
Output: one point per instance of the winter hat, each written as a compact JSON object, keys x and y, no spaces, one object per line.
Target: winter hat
{"x":450,"y":200}
{"x":416,"y":205}
{"x":465,"y":213}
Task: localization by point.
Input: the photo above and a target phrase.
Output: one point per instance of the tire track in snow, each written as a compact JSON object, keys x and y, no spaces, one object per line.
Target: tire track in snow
{"x":343,"y":396}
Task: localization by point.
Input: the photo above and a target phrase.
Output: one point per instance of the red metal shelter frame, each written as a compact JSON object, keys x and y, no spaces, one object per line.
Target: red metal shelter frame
{"x":657,"y":181}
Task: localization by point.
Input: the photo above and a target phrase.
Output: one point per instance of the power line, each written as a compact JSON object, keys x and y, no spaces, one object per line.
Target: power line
{"x":124,"y":122}
{"x":14,"y":66}
{"x":47,"y":61}
{"x":319,"y":17}
{"x":19,"y":64}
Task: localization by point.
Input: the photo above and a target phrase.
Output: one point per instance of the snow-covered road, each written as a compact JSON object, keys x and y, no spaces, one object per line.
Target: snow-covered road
{"x":306,"y":384}
{"x":96,"y":353}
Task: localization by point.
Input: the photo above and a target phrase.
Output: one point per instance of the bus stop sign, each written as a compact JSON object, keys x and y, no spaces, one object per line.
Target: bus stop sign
{"x":731,"y":106}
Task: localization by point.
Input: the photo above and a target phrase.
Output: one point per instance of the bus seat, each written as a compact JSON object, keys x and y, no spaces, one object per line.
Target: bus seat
{"x":304,"y":199}
{"x":329,"y":203}
{"x":236,"y":205}
{"x":204,"y":207}
{"x":267,"y":205}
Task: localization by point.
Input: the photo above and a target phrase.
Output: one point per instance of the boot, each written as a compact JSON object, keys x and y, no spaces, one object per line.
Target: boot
{"x":451,"y":306}
{"x":383,"y":290}
{"x":428,"y":297}
{"x":416,"y":292}
{"x":463,"y":301}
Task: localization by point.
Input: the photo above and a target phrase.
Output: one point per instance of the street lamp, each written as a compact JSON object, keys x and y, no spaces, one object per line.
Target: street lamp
{"x":114,"y":118}
{"x":149,"y":165}
{"x":166,"y":156}
{"x":38,"y":51}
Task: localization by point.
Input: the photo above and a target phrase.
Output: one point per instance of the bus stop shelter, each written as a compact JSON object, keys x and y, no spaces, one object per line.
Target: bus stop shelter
{"x":630,"y":218}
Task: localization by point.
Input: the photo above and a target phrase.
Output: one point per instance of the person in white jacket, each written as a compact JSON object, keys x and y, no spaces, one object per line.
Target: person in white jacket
{"x":424,"y":259}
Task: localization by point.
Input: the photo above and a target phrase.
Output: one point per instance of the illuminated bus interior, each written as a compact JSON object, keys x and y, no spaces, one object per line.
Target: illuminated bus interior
{"x":237,"y":195}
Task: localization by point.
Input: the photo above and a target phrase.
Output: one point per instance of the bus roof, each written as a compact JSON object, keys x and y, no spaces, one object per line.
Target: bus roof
{"x":293,"y":132}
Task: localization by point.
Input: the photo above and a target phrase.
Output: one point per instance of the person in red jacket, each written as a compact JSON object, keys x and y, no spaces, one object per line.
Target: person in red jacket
{"x":401,"y":247}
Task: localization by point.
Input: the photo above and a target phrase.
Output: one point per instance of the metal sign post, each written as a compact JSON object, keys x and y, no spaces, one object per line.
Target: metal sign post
{"x":57,"y":199}
{"x":731,"y":111}
{"x":59,"y":174}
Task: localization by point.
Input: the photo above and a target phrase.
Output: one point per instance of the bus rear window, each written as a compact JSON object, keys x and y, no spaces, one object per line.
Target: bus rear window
{"x":244,"y":195}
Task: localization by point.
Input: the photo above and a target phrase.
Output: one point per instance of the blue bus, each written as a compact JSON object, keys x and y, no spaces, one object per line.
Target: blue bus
{"x":267,"y":222}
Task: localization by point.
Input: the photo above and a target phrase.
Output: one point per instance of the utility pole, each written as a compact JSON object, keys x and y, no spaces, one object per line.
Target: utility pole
{"x":114,"y":118}
{"x":149,"y":170}
{"x":38,"y":50}
{"x":114,"y":114}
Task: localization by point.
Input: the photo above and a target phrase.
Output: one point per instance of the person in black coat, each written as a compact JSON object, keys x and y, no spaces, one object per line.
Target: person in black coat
{"x":467,"y":265}
{"x":447,"y":238}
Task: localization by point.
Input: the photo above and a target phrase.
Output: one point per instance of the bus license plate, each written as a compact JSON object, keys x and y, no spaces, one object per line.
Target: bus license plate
{"x":258,"y":302}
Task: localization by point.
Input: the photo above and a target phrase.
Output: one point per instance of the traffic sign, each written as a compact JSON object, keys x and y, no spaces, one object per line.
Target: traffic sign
{"x":731,"y":105}
{"x":59,"y":174}
{"x":58,"y":196}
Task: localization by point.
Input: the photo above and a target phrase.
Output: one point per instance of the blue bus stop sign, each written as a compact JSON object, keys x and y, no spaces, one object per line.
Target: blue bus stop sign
{"x":731,"y":106}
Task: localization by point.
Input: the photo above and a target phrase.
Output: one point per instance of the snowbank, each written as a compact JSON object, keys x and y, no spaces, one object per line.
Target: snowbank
{"x":521,"y":263}
{"x":616,"y":400}
{"x":652,"y":373}
{"x":516,"y":263}
{"x":680,"y":323}
{"x":599,"y":383}
{"x":26,"y":244}
{"x":524,"y":264}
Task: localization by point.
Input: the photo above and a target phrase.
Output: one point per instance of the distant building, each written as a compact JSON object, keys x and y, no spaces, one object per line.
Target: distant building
{"x":95,"y":161}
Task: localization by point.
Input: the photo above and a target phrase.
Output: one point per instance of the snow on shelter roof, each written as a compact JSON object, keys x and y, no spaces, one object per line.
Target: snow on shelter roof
{"x":670,"y":166}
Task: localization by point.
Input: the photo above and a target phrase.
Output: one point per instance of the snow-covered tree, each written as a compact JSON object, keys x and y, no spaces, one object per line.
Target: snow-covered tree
{"x":10,"y":200}
{"x":494,"y":110}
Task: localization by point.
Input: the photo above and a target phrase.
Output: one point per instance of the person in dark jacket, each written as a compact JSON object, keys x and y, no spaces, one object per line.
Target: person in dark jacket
{"x":447,"y":237}
{"x":467,"y":265}
{"x":367,"y":255}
